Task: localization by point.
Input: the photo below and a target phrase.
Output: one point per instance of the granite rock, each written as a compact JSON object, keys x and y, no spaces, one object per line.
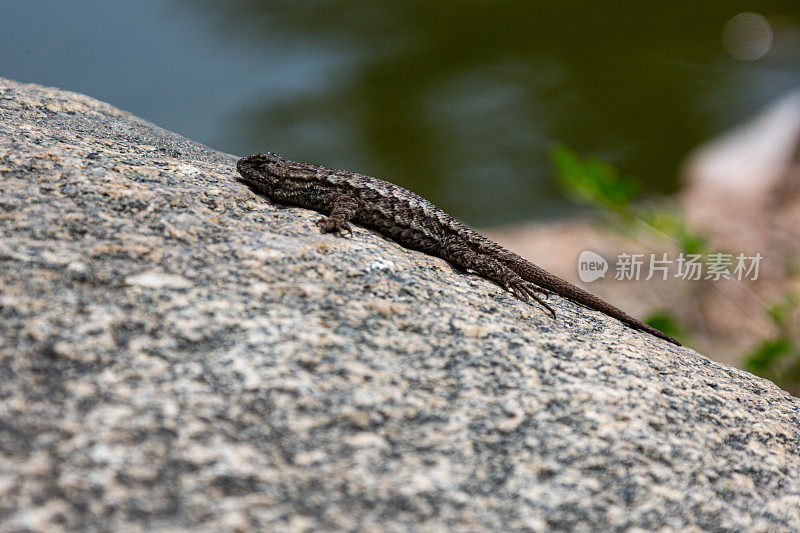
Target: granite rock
{"x":177,"y":352}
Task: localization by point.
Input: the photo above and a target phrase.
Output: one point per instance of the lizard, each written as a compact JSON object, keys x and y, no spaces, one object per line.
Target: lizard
{"x":413,"y":222}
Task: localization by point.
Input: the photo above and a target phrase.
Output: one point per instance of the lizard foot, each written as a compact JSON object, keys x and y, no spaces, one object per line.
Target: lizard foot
{"x":328,"y":225}
{"x":527,"y":291}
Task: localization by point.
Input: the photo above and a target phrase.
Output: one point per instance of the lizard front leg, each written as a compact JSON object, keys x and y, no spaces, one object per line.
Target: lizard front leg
{"x":344,"y":209}
{"x":489,"y":267}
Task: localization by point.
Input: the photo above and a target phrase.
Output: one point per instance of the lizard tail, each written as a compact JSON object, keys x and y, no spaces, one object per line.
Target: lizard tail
{"x":542,"y":278}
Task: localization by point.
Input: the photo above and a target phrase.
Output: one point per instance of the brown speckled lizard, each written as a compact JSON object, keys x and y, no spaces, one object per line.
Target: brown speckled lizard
{"x":414,"y":222}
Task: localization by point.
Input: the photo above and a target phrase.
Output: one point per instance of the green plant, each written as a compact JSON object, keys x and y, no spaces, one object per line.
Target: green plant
{"x":594,"y":182}
{"x":599,"y":185}
{"x":664,"y":320}
{"x":778,"y":357}
{"x":673,"y":225}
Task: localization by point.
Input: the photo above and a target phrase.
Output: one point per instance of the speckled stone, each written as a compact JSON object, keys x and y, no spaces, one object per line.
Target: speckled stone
{"x":176,"y":352}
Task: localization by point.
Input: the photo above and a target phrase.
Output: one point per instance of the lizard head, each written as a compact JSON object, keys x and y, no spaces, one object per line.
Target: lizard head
{"x":261,"y":168}
{"x":270,"y":171}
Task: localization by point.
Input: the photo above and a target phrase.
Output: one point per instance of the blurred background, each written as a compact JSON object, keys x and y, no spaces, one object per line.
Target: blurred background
{"x":461,"y":101}
{"x":675,"y":122}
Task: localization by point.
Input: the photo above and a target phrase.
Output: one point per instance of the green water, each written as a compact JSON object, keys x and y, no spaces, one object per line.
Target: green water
{"x":459,"y":101}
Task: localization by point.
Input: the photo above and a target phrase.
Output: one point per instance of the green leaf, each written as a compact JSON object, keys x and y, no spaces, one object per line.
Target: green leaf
{"x":664,"y":320}
{"x":593,"y":182}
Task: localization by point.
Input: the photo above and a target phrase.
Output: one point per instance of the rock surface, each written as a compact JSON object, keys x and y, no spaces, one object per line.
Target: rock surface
{"x":177,"y":352}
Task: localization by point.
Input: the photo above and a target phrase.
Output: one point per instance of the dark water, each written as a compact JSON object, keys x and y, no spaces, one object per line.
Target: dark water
{"x":460,"y":101}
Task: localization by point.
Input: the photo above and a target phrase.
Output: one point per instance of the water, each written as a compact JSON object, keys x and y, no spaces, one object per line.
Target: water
{"x":459,"y":101}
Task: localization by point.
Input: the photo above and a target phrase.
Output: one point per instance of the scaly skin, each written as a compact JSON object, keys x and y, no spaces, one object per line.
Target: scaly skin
{"x":413,"y":222}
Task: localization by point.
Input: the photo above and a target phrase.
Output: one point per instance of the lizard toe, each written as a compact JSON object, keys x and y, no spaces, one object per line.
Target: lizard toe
{"x":331,"y":225}
{"x":527,"y":292}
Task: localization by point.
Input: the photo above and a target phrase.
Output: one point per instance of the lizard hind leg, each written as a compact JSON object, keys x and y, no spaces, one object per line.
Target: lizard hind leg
{"x":489,"y":267}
